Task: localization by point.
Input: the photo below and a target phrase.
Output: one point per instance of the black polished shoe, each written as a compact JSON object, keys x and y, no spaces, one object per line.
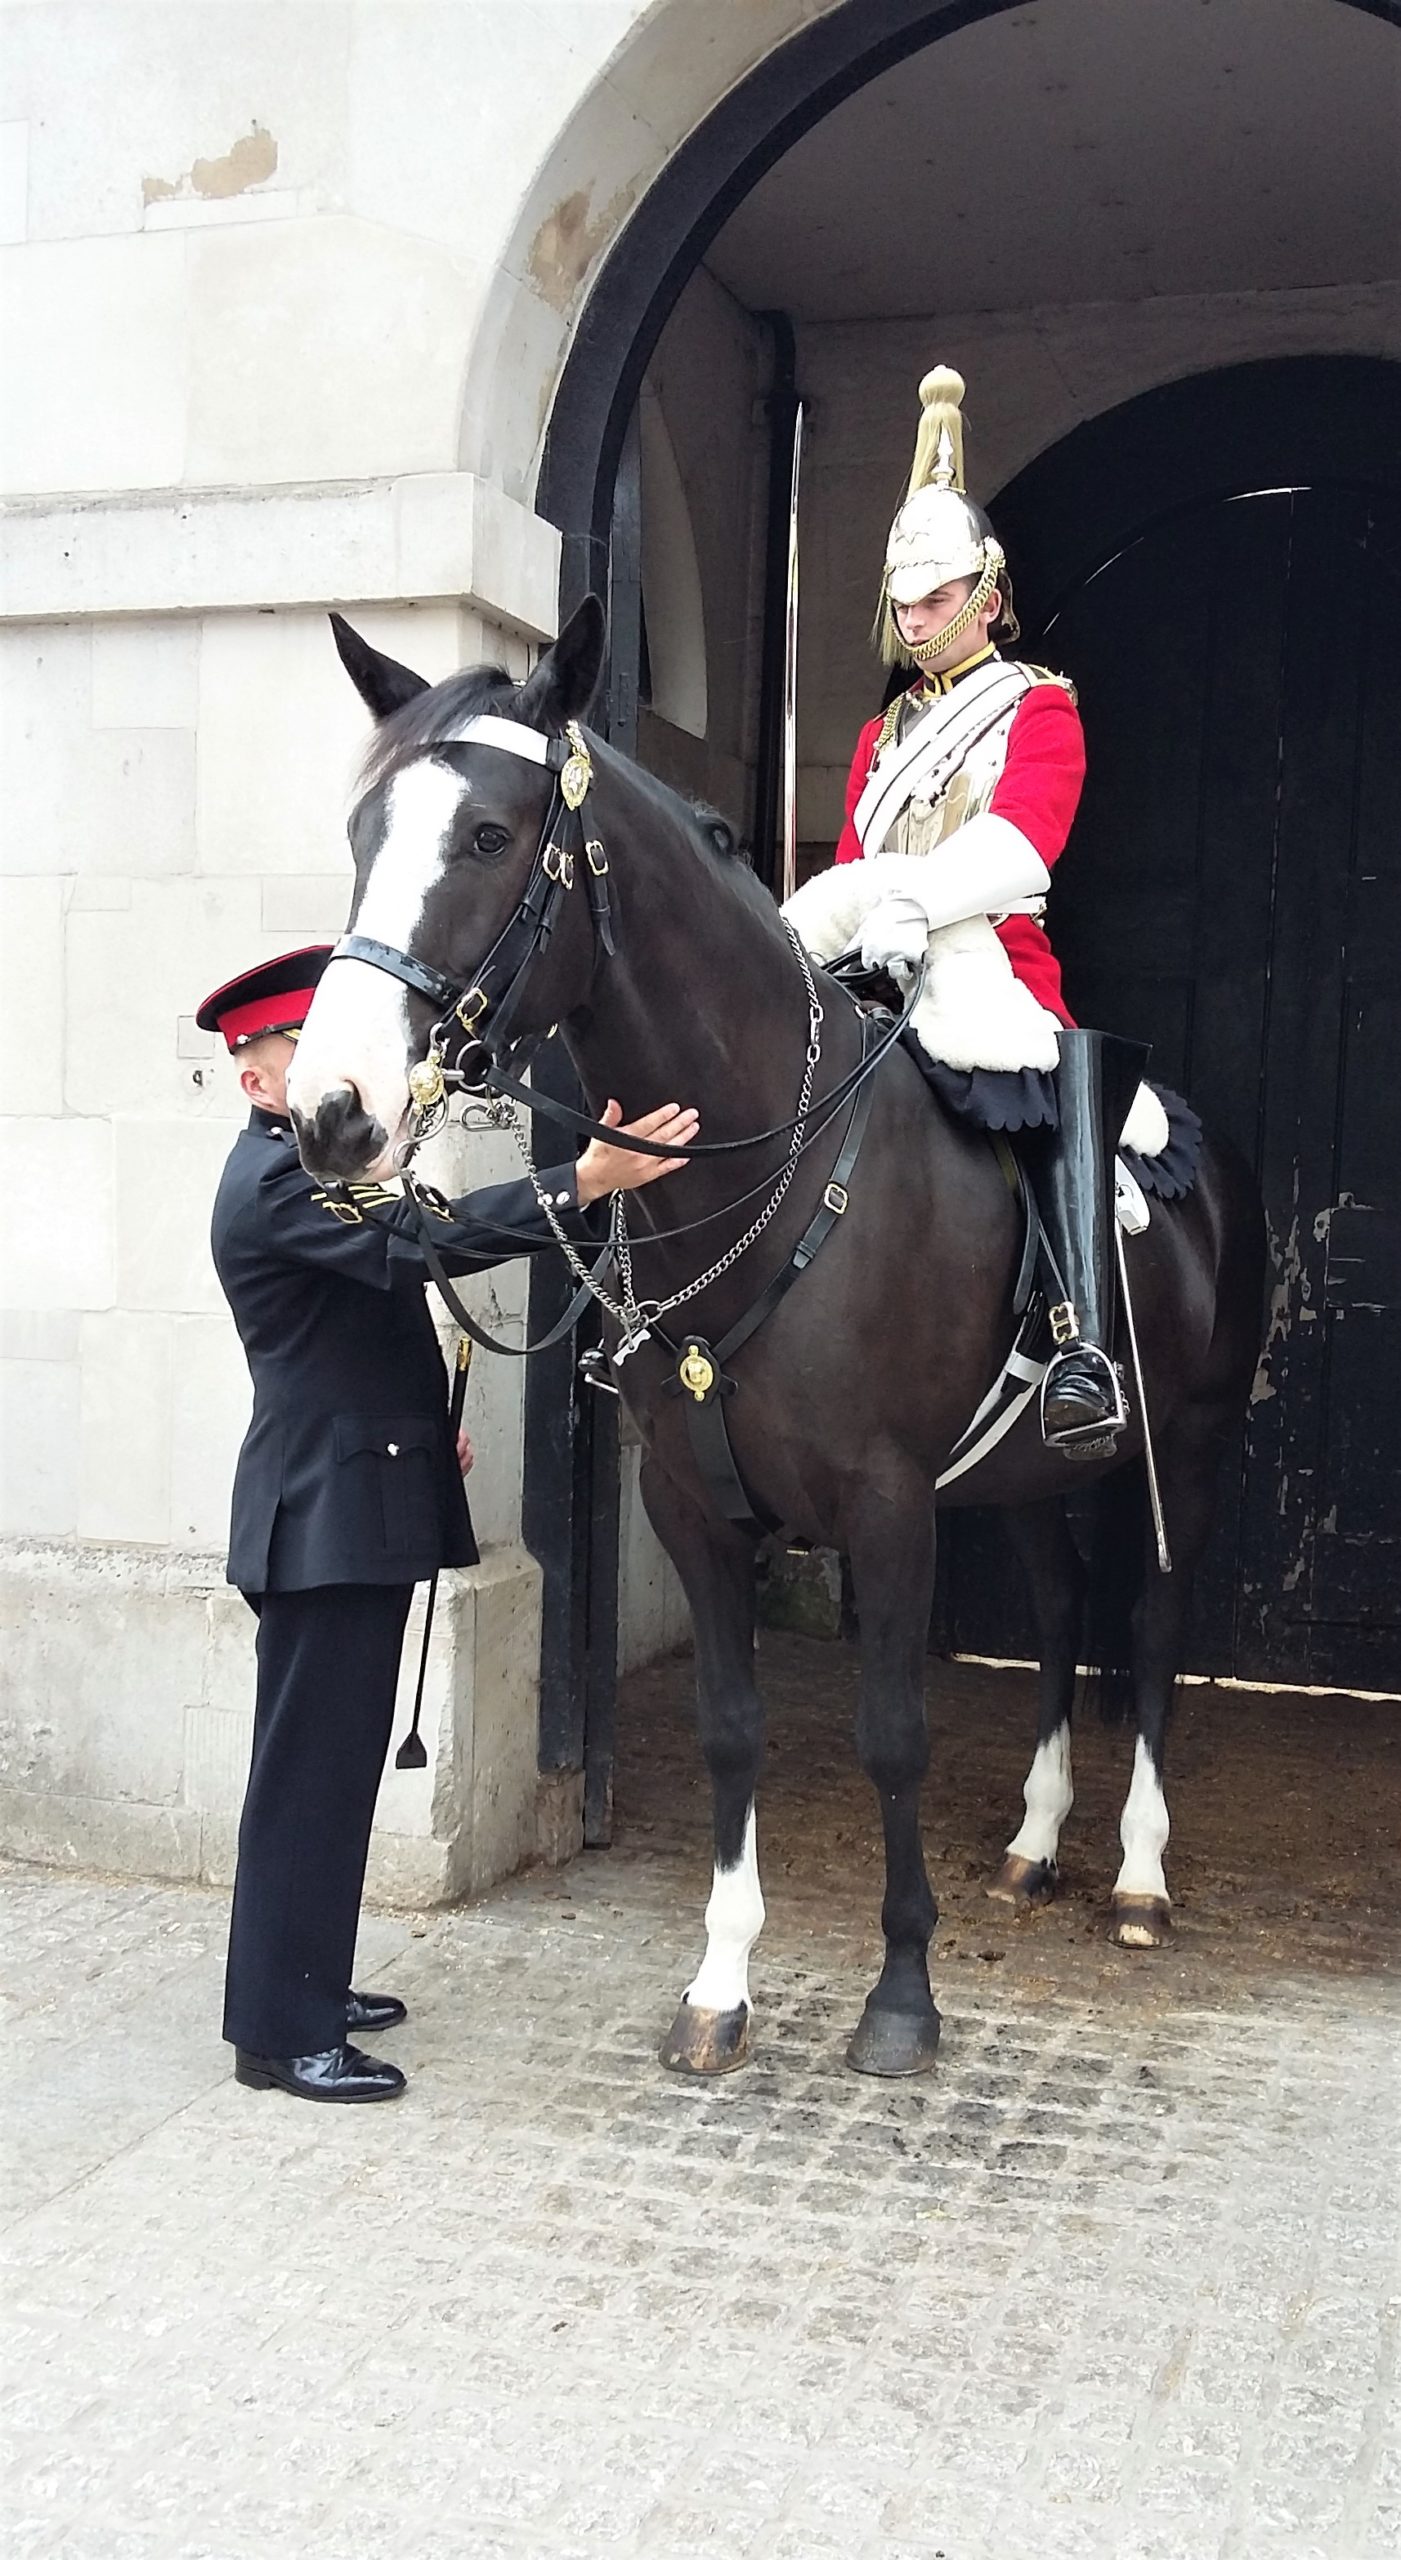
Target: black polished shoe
{"x":1082,"y":1403}
{"x":367,"y":2013}
{"x":342,"y":2077}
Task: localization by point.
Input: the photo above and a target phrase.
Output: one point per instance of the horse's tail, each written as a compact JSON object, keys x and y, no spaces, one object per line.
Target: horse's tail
{"x":1117,"y":1564}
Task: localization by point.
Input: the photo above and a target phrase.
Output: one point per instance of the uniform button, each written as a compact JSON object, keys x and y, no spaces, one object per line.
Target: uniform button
{"x":393,"y":1449}
{"x":561,"y":1199}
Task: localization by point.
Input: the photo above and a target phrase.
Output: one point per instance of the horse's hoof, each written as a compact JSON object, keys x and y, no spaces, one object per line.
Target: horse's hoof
{"x":893,"y":2044}
{"x":1140,"y":1920}
{"x":705,"y":2042}
{"x":1023,"y":1882}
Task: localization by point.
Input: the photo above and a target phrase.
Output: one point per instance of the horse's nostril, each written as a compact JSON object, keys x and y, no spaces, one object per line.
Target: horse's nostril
{"x":340,"y":1137}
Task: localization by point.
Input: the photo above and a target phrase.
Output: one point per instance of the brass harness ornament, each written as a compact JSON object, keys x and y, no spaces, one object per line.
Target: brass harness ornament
{"x":696,"y":1372}
{"x":426,"y":1086}
{"x":577,"y":772}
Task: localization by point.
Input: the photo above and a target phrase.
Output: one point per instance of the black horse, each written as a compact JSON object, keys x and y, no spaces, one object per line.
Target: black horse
{"x":853,"y":1392}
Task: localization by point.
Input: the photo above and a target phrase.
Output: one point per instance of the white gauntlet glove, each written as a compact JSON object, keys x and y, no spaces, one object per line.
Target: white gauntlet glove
{"x":895,"y":937}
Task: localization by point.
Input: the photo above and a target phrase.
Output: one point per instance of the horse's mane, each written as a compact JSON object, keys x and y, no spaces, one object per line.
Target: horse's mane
{"x":716,"y":834}
{"x":442,"y":709}
{"x":433,"y":715}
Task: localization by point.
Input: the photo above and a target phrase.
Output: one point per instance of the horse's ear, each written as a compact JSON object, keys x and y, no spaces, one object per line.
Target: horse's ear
{"x":382,"y":684}
{"x":566,"y":679}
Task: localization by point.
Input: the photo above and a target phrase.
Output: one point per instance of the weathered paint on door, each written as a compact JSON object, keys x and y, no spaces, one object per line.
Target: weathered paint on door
{"x":1232,"y":891}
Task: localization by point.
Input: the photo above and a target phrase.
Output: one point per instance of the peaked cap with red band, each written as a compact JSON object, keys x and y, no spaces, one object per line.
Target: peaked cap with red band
{"x":276,"y":996}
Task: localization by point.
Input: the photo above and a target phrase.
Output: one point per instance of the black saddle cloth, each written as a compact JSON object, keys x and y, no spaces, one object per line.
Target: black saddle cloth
{"x":1006,"y":1100}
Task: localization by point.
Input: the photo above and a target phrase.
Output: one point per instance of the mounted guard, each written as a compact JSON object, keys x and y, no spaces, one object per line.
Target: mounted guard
{"x":960,"y":799}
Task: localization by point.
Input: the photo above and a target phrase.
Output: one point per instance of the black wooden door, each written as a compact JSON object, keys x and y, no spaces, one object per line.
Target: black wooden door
{"x":1232,"y":891}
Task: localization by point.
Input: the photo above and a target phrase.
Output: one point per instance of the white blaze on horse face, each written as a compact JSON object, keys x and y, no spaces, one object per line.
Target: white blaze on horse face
{"x":357,"y":1031}
{"x":1049,"y":1796}
{"x":734,"y":1916}
{"x":1143,"y":1830}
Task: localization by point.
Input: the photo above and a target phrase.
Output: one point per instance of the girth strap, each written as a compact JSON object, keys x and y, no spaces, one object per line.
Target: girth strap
{"x":700,"y":1375}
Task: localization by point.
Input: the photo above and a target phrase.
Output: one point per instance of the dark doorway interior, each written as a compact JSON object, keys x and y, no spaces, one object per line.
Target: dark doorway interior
{"x":1233,"y":892}
{"x":1107,"y":488}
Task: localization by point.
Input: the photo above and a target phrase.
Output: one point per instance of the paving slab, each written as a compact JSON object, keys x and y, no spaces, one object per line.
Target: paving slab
{"x":1118,"y":2281}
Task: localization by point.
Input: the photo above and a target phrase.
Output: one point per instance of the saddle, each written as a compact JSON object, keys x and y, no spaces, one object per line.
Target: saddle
{"x":699,"y":1377}
{"x":1002,"y":1102}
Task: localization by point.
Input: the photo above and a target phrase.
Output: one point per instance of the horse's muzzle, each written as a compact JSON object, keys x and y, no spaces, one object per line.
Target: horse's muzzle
{"x":339,"y":1138}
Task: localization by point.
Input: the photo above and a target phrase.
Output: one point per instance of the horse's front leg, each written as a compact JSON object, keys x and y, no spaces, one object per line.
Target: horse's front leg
{"x":710,"y":2032}
{"x":1041,"y":1536}
{"x":891,"y":1548}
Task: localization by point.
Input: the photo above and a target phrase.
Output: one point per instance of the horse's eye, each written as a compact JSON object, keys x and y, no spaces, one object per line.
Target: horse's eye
{"x":489,"y":843}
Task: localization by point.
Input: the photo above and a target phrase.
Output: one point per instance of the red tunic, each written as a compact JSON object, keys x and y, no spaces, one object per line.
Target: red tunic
{"x":1038,"y":791}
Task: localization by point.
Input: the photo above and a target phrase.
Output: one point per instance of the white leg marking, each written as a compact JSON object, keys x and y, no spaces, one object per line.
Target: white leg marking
{"x":734,"y":1916}
{"x":1049,"y":1796}
{"x":1144,"y":1831}
{"x":357,"y":1031}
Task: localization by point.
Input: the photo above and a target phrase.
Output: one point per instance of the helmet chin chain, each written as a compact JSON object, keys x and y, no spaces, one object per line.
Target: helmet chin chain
{"x":921,"y":651}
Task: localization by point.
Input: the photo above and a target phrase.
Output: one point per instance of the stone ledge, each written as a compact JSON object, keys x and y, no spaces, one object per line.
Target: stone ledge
{"x":126,"y":1714}
{"x":92,"y":1564}
{"x":430,"y":537}
{"x":102,"y":1835}
{"x":173,"y":1844}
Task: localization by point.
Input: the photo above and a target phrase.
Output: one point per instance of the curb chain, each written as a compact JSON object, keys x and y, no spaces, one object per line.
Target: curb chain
{"x":635,"y":1317}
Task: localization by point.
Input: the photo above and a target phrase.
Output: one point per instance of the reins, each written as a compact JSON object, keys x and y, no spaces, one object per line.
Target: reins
{"x":580,"y":1125}
{"x":563,"y":851}
{"x":470,"y":1044}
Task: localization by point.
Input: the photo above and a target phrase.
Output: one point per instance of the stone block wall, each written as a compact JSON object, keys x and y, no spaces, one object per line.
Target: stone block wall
{"x":287,"y":292}
{"x":126,"y":1719}
{"x":266,"y":289}
{"x":178,"y":786}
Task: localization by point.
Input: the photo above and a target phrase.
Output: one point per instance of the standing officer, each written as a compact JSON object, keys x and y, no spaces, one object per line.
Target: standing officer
{"x":348,"y":1491}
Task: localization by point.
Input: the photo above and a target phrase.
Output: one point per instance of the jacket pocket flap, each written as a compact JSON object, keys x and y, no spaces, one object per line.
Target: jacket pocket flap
{"x":388,"y":1435}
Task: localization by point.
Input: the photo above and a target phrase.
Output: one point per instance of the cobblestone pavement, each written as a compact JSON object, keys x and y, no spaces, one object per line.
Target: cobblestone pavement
{"x":1119,"y":2282}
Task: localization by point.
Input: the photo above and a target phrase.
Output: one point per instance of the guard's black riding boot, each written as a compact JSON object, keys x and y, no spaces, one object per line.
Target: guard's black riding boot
{"x":1082,"y":1396}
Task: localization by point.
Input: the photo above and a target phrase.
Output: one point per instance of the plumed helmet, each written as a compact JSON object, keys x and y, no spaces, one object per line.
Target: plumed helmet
{"x":939,"y":534}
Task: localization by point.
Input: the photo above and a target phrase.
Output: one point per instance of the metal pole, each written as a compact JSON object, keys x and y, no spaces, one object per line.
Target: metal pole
{"x":1155,"y":1499}
{"x":411,"y":1753}
{"x":790,"y":670}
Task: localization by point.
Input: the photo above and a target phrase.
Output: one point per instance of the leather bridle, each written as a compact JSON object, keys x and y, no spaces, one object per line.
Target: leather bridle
{"x":470,"y":1047}
{"x":471,"y":1043}
{"x":463,"y":1044}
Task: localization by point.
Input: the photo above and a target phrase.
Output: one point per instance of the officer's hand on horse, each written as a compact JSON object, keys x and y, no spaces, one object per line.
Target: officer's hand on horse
{"x":895,"y":937}
{"x":602,"y":1168}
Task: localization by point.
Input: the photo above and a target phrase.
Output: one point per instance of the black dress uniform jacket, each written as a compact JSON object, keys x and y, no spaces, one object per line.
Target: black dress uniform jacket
{"x":349,"y":1471}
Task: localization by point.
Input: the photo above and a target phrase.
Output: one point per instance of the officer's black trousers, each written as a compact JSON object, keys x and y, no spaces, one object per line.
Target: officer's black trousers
{"x":328,"y":1663}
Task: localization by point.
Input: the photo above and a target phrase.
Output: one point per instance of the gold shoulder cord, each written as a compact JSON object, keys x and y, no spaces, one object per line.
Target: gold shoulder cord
{"x":1050,"y":675}
{"x":360,"y":1196}
{"x":891,"y":724}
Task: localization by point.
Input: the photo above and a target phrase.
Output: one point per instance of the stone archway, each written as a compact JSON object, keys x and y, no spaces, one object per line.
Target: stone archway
{"x":618,"y":297}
